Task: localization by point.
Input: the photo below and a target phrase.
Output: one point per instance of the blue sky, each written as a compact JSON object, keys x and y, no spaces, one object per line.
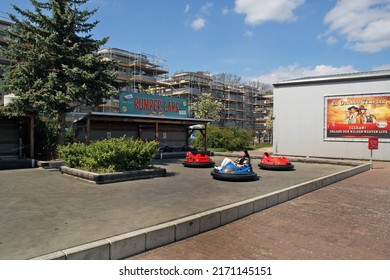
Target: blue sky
{"x":265,"y":40}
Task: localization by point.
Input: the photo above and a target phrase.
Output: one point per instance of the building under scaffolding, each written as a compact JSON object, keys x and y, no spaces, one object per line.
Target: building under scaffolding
{"x":140,"y":71}
{"x":263,"y":113}
{"x":244,"y":106}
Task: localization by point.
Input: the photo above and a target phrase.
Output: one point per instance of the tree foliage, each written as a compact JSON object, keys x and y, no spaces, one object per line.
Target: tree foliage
{"x":206,"y":107}
{"x":56,"y":67}
{"x":231,"y":139}
{"x":263,"y":88}
{"x":227,"y":79}
{"x":266,"y":89}
{"x":269,"y":124}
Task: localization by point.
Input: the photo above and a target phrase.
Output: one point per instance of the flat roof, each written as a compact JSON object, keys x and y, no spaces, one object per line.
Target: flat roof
{"x":146,"y":118}
{"x":380,"y":74}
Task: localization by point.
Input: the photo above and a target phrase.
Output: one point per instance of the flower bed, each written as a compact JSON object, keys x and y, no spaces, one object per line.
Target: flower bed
{"x":109,"y":155}
{"x":112,"y":177}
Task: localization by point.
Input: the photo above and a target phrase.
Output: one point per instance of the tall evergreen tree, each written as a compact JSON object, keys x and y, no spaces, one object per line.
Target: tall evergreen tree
{"x":57,"y":67}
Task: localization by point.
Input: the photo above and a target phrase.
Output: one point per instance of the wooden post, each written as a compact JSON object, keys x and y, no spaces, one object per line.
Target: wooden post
{"x":189,"y":133}
{"x":205,"y":137}
{"x":139,"y":128}
{"x":88,"y":129}
{"x":32,"y":127}
{"x":156,"y":132}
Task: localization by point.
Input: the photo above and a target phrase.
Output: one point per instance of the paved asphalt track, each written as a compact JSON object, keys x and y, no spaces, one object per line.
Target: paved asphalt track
{"x":43,"y":211}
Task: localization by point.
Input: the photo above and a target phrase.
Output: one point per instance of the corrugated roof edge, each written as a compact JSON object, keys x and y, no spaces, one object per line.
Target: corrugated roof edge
{"x":139,"y":116}
{"x":336,"y":77}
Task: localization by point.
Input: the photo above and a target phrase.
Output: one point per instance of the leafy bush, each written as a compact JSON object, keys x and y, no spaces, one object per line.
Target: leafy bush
{"x":45,"y":138}
{"x":73,"y":155}
{"x":108,"y":155}
{"x":68,"y":135}
{"x":220,"y":150}
{"x":227,"y":138}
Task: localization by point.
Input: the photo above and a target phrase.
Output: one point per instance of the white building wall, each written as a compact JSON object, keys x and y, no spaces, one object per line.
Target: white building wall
{"x":299,"y":124}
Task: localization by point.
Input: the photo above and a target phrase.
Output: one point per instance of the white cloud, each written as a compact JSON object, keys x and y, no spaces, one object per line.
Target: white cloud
{"x":198,"y":23}
{"x":248,"y":33}
{"x":187,"y":9}
{"x":364,"y":24}
{"x":381,"y":67}
{"x":259,"y":11}
{"x":225,"y":11}
{"x":206,"y":8}
{"x":283,"y":73}
{"x":331,"y":40}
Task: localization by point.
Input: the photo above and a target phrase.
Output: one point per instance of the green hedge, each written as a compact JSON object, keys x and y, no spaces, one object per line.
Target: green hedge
{"x":109,"y":155}
{"x":45,"y":138}
{"x":230,"y":139}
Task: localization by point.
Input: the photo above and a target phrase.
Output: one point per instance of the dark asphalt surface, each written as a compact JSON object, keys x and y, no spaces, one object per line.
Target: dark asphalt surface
{"x":43,"y":211}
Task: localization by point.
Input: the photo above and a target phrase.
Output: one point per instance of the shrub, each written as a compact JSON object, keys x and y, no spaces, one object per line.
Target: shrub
{"x":73,"y":155}
{"x":45,"y":138}
{"x":227,"y":138}
{"x":220,"y":150}
{"x":107,"y":155}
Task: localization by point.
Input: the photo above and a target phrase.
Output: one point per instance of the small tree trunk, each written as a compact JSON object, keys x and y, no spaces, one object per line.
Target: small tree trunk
{"x":61,"y":130}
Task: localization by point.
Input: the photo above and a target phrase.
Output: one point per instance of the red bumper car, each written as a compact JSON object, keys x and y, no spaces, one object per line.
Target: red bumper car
{"x":275,"y":163}
{"x":198,"y":159}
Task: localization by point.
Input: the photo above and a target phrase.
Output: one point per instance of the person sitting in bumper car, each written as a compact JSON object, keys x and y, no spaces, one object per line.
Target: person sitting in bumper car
{"x":243,"y":160}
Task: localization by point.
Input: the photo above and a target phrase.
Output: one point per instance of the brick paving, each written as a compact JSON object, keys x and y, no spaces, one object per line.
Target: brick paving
{"x":347,"y":220}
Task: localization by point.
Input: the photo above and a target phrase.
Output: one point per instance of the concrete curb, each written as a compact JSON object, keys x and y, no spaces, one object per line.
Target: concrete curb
{"x":132,"y":243}
{"x":50,"y":164}
{"x":115,"y":176}
{"x":300,"y":159}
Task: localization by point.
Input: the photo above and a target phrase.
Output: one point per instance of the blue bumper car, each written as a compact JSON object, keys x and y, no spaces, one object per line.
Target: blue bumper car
{"x":231,"y":172}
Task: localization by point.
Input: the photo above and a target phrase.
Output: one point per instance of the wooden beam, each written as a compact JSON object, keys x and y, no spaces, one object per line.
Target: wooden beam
{"x":142,"y":120}
{"x":139,"y":131}
{"x":32,"y":127}
{"x":156,"y":132}
{"x":88,"y":129}
{"x":205,"y":132}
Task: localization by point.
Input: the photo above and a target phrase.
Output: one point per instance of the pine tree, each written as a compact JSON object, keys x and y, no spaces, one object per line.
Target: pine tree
{"x":57,"y":67}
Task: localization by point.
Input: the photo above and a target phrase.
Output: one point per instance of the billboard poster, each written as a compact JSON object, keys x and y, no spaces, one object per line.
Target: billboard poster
{"x":152,"y":105}
{"x":357,"y":116}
